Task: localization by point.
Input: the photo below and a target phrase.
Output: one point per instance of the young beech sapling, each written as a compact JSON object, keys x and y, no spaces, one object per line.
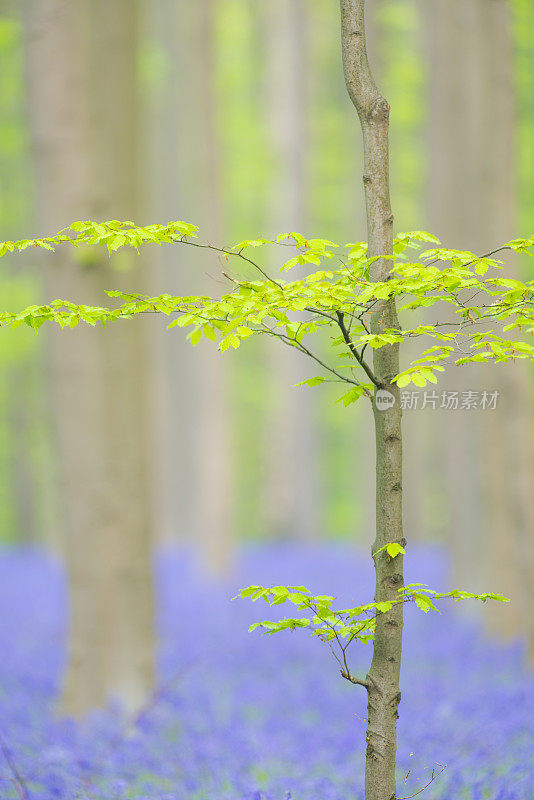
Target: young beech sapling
{"x":336,"y":317}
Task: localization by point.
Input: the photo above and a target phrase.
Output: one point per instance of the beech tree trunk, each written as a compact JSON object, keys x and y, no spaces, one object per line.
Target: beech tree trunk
{"x":472,"y":138}
{"x":214,"y":500}
{"x":291,"y":498}
{"x":453,"y":142}
{"x":81,"y":67}
{"x":383,"y":677}
{"x":194,"y":483}
{"x":509,"y":433}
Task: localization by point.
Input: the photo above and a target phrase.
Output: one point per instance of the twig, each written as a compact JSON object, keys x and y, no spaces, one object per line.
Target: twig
{"x":15,"y":784}
{"x":433,"y":777}
{"x":477,"y":258}
{"x":352,"y":679}
{"x":345,"y":672}
{"x":234,"y":253}
{"x":352,"y":347}
{"x":23,"y":790}
{"x":291,"y":342}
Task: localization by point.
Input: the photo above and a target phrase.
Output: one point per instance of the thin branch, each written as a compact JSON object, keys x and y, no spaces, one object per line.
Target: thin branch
{"x":353,"y":349}
{"x":352,"y":679}
{"x":477,"y":258}
{"x":434,"y":777}
{"x":303,"y":349}
{"x":329,"y":643}
{"x":13,"y":767}
{"x":234,"y":253}
{"x":312,"y":310}
{"x":345,"y":671}
{"x":15,"y":784}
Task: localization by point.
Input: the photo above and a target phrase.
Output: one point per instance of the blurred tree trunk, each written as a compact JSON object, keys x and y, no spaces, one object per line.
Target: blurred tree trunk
{"x":213,"y":479}
{"x":452,"y":196}
{"x":193,"y":481}
{"x":510,"y":433}
{"x":473,"y":205}
{"x":291,"y":501}
{"x":81,"y":67}
{"x":168,"y":27}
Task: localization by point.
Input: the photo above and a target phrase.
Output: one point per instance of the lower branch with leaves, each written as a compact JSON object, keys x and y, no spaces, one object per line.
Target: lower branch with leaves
{"x":340,"y":628}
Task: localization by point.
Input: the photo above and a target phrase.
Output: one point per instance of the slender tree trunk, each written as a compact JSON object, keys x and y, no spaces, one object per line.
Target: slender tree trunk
{"x":81,"y":65}
{"x":383,"y":677}
{"x":383,"y":24}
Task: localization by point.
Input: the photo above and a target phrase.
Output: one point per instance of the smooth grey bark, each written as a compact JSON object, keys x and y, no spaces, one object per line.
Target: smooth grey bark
{"x":81,"y":67}
{"x":510,"y":556}
{"x":168,"y":25}
{"x":383,"y":677}
{"x":472,"y":145}
{"x":193,"y":447}
{"x":452,"y":92}
{"x":291,"y":498}
{"x":214,"y":478}
{"x":382,"y":31}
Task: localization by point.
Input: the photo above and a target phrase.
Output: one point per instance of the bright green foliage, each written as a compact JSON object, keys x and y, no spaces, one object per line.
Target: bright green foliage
{"x":393,"y":549}
{"x":340,"y":627}
{"x":337,"y":299}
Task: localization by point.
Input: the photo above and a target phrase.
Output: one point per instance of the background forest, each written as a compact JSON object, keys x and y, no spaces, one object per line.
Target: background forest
{"x":233,"y":114}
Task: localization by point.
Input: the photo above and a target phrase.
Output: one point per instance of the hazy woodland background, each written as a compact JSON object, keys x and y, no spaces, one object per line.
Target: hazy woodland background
{"x":233,"y":114}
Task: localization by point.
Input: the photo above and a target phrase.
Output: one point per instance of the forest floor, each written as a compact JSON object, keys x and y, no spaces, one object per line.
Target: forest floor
{"x":242,"y":716}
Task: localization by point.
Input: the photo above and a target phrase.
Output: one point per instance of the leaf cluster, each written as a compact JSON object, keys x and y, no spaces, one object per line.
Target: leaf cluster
{"x":340,"y":627}
{"x":336,"y":304}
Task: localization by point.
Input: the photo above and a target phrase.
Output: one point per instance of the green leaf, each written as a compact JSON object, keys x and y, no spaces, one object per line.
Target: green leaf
{"x":196,"y":336}
{"x":394,"y":549}
{"x":499,"y":598}
{"x":248,"y":591}
{"x":403,"y":380}
{"x":250,"y":243}
{"x":243,"y":332}
{"x":230,"y":340}
{"x":117,"y":241}
{"x":351,"y":396}
{"x":424,"y":603}
{"x":311,"y":382}
{"x":419,"y":379}
{"x":293,"y":262}
{"x":383,"y":607}
{"x":209,"y":333}
{"x":79,"y":226}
